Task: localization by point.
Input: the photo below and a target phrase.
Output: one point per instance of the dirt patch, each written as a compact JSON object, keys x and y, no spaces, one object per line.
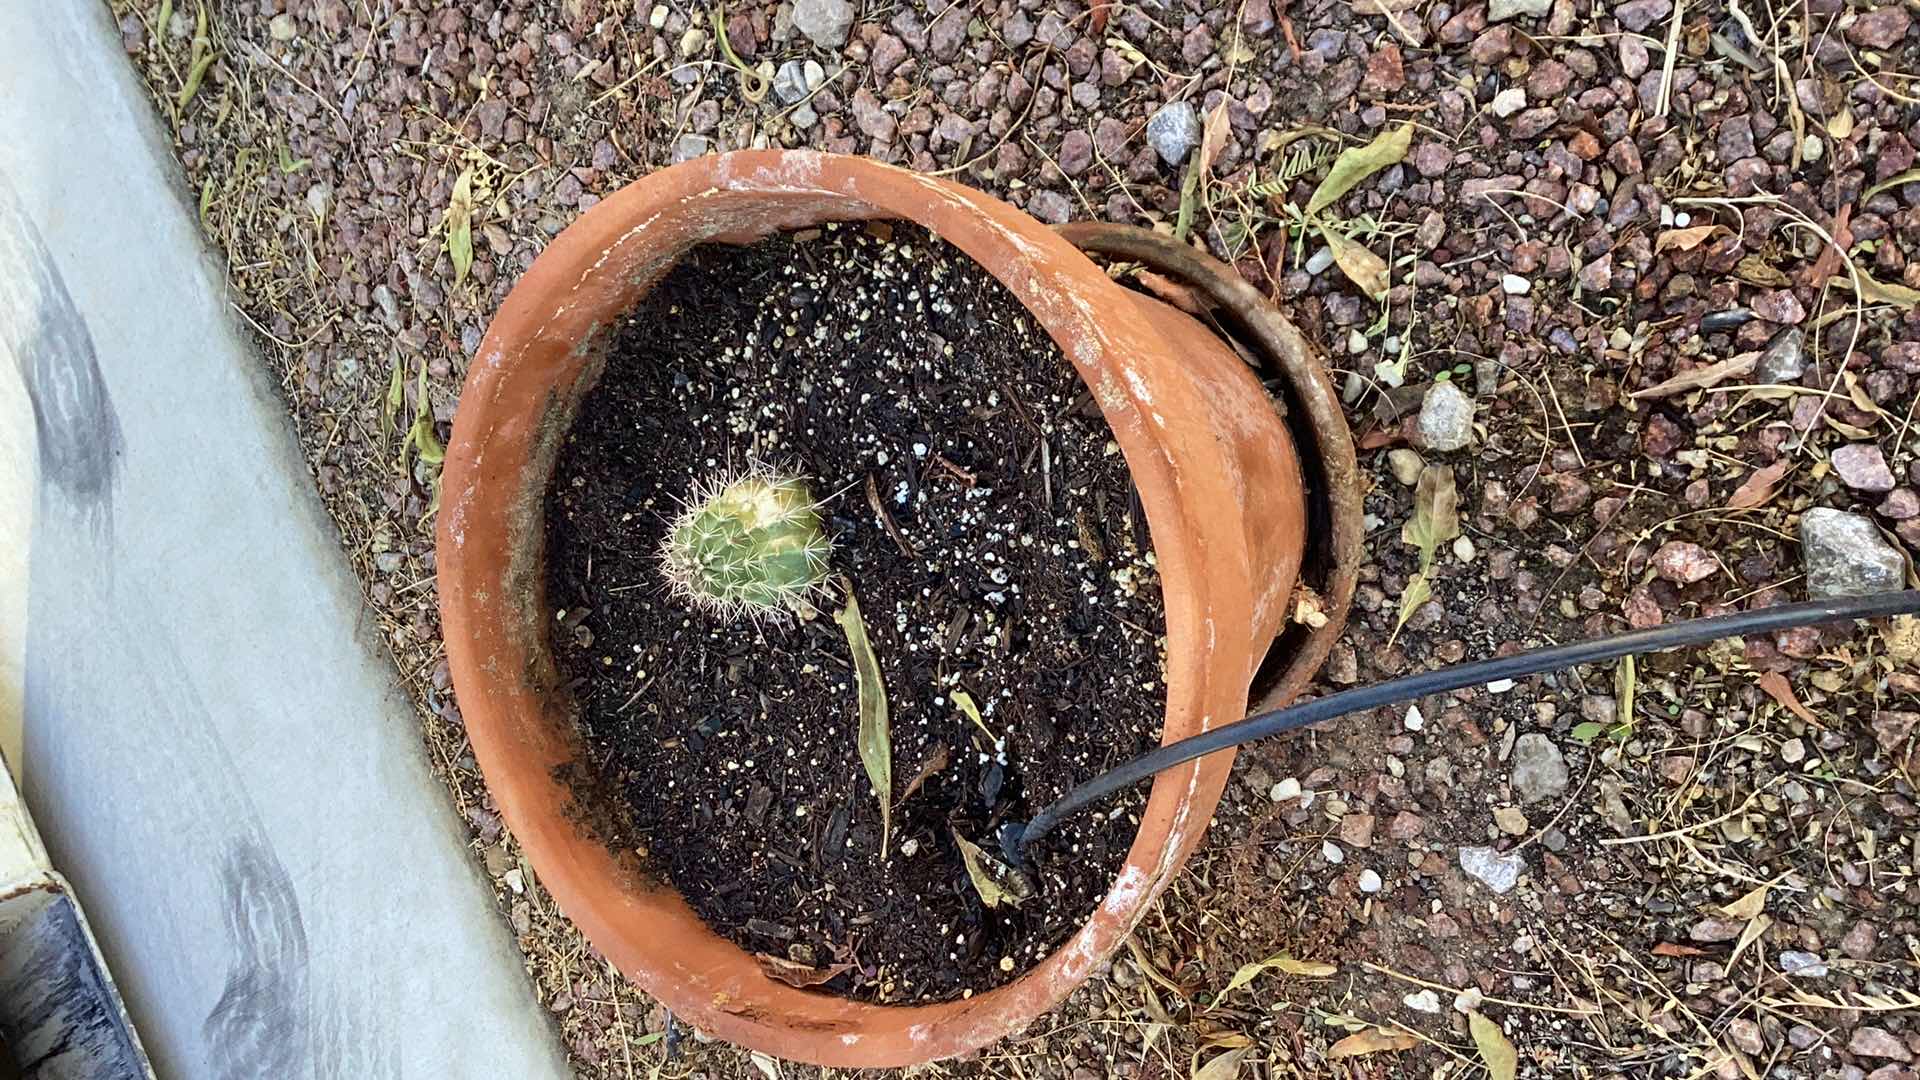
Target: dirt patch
{"x":977,"y":502}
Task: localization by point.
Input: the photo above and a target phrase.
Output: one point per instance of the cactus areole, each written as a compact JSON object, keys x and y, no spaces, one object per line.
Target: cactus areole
{"x":747,"y":545}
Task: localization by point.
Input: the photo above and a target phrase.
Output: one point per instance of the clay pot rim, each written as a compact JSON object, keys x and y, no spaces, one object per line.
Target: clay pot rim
{"x":1320,"y":422}
{"x":535,"y":341}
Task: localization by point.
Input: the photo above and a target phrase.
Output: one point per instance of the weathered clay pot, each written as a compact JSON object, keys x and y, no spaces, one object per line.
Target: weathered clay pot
{"x":1216,"y":472}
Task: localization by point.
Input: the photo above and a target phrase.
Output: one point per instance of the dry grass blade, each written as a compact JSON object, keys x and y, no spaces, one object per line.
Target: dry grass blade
{"x":1701,"y":378}
{"x":1357,"y":163}
{"x":1908,"y":177}
{"x":1501,"y":1058}
{"x":876,"y":740}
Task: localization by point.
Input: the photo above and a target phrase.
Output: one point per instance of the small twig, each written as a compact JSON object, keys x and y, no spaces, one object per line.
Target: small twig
{"x":1672,"y":54}
{"x":886,"y":520}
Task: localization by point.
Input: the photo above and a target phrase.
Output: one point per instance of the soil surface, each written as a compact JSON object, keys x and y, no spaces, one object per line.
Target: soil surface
{"x":975,"y":499}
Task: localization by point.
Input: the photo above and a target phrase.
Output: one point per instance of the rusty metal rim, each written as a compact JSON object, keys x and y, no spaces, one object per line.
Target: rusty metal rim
{"x":1332,"y":566}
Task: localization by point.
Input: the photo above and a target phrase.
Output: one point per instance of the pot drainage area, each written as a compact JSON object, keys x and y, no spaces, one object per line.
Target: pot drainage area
{"x":973,"y":499}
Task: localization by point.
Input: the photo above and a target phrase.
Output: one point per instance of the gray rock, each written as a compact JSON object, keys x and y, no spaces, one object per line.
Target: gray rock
{"x":1446,"y":418}
{"x":687,"y":147}
{"x":825,"y":22}
{"x":1846,"y":555}
{"x":1784,"y":358}
{"x":1494,"y":870}
{"x":1539,"y":770}
{"x":1507,"y":9}
{"x":790,"y":82}
{"x":1174,"y":131}
{"x":804,"y":117}
{"x":1804,"y":965}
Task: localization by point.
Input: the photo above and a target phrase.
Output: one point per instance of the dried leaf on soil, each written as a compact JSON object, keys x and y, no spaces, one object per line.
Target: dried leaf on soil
{"x":460,"y":225}
{"x":876,"y":740}
{"x":768,"y":1067}
{"x":1753,"y":903}
{"x":1419,"y":590}
{"x":939,"y":759}
{"x":1359,"y":162}
{"x":1755,"y":270}
{"x":995,"y":881}
{"x":1676,"y":950}
{"x":1874,"y":291}
{"x":797,"y":974}
{"x":1213,"y":137}
{"x":1222,"y":1066}
{"x":1282,"y":962}
{"x":964,"y":702}
{"x":1759,"y":486}
{"x":1701,"y":378}
{"x":1436,"y":513}
{"x":1371,"y":1041}
{"x":1362,"y":267}
{"x":1684,"y":239}
{"x":1501,"y":1058}
{"x":1777,"y":688}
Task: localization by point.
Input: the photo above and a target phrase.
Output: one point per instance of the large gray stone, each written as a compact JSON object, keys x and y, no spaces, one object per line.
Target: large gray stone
{"x":1539,"y":770}
{"x":1492,"y":869}
{"x":1846,"y":555}
{"x":1174,"y":131}
{"x":1446,"y":418}
{"x":825,"y":22}
{"x":1784,"y":358}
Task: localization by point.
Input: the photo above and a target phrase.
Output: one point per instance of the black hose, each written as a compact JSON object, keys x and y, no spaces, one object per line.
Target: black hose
{"x":1014,"y":838}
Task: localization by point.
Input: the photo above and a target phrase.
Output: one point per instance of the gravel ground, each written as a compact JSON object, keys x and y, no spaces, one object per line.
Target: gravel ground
{"x":1657,"y":257}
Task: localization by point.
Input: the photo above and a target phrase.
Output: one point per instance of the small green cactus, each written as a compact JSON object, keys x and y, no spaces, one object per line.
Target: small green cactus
{"x":748,"y":545}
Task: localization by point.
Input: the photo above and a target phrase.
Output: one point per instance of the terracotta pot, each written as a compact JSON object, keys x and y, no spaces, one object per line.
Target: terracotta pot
{"x":1217,"y":476}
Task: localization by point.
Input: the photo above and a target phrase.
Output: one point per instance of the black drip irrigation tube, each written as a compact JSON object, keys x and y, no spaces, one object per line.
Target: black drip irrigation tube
{"x":1015,"y":837}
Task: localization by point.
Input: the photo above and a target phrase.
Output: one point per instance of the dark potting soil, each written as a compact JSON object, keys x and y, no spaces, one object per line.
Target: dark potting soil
{"x":1011,"y":567}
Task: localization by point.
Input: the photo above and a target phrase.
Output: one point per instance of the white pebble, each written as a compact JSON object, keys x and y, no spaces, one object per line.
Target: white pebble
{"x":1369,"y":881}
{"x":1415,"y":720}
{"x":1285,"y":789}
{"x":1515,"y":285}
{"x":1682,"y":219}
{"x":1463,"y":549}
{"x":1425,"y":1001}
{"x":1332,"y":853}
{"x":1499,"y":686}
{"x":1320,"y":260}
